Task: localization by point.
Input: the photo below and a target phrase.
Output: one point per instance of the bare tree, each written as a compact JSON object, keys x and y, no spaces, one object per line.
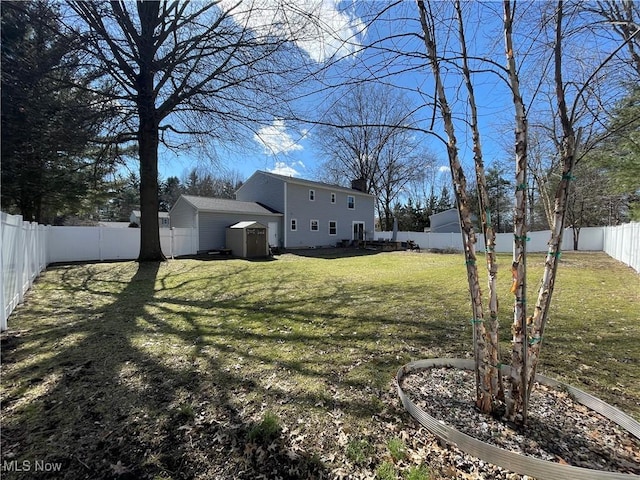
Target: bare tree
{"x":574,"y":101}
{"x":367,"y":135}
{"x":483,"y":341}
{"x":579,"y":103}
{"x":488,"y":228}
{"x":517,"y":401}
{"x":176,"y":68}
{"x":624,"y":19}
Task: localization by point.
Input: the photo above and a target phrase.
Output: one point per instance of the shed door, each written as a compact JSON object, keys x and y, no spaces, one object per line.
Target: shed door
{"x":256,"y":242}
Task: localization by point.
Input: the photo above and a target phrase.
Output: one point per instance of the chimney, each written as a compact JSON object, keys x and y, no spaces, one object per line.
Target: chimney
{"x":359,"y":184}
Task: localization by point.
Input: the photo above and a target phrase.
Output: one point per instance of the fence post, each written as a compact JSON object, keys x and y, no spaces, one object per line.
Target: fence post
{"x":100,"y":246}
{"x":20,"y":258}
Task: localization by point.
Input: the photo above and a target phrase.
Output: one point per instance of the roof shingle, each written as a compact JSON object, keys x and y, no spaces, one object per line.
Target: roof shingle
{"x":208,"y":204}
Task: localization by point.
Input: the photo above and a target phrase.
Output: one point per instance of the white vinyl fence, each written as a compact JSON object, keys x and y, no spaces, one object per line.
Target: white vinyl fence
{"x":85,"y":244}
{"x":620,"y":242}
{"x":24,"y":256}
{"x":591,"y":238}
{"x":623,"y":243}
{"x":27,"y":248}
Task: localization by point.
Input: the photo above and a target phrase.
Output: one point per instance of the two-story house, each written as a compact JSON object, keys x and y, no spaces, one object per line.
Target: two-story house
{"x":313,"y":213}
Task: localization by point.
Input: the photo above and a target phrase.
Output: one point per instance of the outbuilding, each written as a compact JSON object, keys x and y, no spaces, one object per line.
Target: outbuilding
{"x":210,"y":217}
{"x":447,"y":221}
{"x":248,"y":240}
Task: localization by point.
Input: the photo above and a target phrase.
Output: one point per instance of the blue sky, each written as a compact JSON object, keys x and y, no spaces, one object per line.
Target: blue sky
{"x":289,"y":150}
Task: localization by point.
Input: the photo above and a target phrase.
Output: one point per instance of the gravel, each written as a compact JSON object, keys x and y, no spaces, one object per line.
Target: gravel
{"x":558,"y":430}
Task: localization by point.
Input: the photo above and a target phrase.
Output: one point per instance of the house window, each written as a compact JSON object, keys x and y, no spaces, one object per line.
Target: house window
{"x":294,"y":224}
{"x":333,"y":227}
{"x":333,"y":197}
{"x":351,"y":202}
{"x":315,"y":225}
{"x":312,"y":195}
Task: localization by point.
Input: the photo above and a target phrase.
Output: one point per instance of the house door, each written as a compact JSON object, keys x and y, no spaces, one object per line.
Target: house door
{"x":273,"y":234}
{"x":358,"y":231}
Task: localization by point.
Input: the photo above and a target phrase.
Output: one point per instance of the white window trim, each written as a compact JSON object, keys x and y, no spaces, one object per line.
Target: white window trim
{"x":333,"y":197}
{"x":336,"y":227}
{"x":312,"y":195}
{"x":317,"y":229}
{"x":291,"y":225}
{"x":354,"y":202}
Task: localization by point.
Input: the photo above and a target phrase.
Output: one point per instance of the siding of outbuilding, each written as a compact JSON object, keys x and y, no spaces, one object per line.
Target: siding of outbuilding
{"x":212,"y":227}
{"x":183,"y":215}
{"x":445,"y":222}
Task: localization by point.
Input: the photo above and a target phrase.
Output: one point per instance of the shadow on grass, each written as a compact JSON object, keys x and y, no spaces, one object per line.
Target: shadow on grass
{"x":99,"y":406}
{"x":172,"y":370}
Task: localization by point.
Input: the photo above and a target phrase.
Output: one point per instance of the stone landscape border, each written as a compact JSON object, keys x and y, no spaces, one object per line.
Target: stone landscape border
{"x":512,"y":461}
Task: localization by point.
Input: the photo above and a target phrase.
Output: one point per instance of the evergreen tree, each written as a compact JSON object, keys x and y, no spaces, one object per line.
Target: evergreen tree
{"x":170,"y":191}
{"x":620,"y":154}
{"x":48,"y":128}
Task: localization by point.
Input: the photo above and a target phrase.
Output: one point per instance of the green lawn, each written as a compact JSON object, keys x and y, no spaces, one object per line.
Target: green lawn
{"x":232,"y":368}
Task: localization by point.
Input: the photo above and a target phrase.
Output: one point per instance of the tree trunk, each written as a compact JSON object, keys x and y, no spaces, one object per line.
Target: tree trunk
{"x":491,"y":324}
{"x":567,"y":152}
{"x":148,"y":137}
{"x":483,"y":361}
{"x":517,"y":400}
{"x":150,"y":249}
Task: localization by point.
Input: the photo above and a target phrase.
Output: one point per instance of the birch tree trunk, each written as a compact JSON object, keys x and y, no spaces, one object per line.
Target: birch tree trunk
{"x":568,"y":157}
{"x":516,"y":402}
{"x":491,"y":323}
{"x":483,"y":362}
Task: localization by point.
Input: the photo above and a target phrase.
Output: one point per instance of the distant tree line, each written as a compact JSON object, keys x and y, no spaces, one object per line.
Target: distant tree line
{"x":413,"y":215}
{"x":124,"y":192}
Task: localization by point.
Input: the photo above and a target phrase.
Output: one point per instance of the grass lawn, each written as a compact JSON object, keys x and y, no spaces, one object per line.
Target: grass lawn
{"x":235,"y":369}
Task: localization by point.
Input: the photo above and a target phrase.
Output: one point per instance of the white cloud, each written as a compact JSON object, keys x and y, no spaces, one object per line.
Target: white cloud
{"x":444,"y":169}
{"x":281,"y":168}
{"x":337,"y":33}
{"x":275,"y":139}
{"x":319,"y":27}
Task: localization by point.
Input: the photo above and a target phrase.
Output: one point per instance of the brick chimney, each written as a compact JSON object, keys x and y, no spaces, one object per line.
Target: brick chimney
{"x":359,"y":184}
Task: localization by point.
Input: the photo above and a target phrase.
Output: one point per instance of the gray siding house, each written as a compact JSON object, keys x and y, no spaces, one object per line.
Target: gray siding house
{"x":163,"y":218}
{"x":314,"y":213}
{"x":445,"y":222}
{"x":211,"y":217}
